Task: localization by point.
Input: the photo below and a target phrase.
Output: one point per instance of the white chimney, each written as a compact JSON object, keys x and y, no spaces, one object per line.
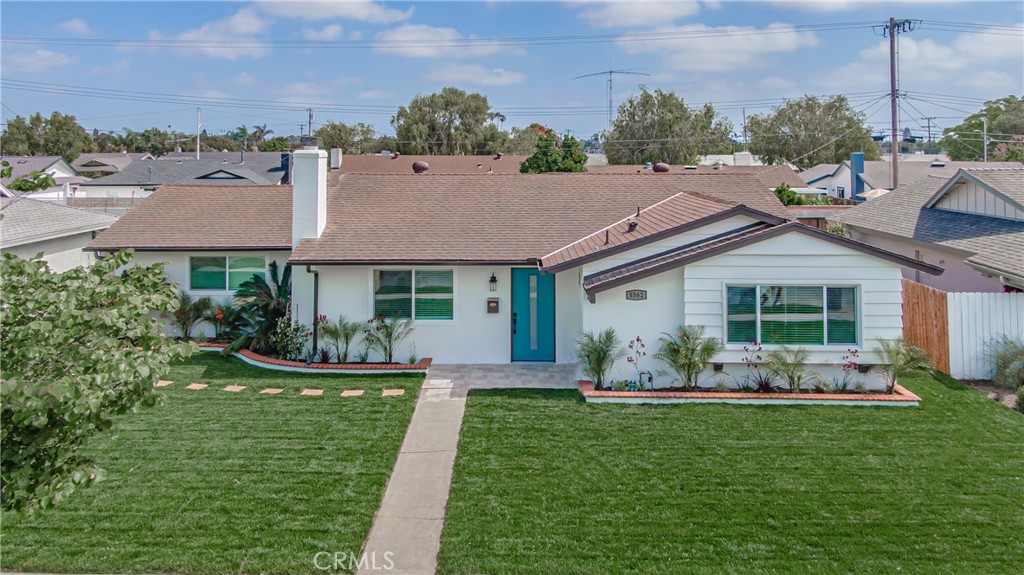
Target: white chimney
{"x":335,"y":158}
{"x":309,"y":194}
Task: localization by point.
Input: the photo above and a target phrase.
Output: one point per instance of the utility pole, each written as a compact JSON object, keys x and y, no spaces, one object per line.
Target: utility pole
{"x":301,"y":128}
{"x":199,"y":129}
{"x":891,"y":29}
{"x":984,"y":138}
{"x":310,"y":130}
{"x":610,"y":74}
{"x":744,"y":129}
{"x":929,"y":120}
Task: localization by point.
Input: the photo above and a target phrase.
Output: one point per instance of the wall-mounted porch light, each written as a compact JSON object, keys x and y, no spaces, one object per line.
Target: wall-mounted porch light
{"x":493,"y":282}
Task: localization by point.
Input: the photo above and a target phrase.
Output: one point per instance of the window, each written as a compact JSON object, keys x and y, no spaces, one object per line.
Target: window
{"x":429,"y":297}
{"x":791,"y":315}
{"x":222,"y":273}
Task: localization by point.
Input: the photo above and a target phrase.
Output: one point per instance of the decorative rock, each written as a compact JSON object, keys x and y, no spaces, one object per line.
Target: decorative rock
{"x":352,"y":393}
{"x":271,"y":390}
{"x":195,"y":386}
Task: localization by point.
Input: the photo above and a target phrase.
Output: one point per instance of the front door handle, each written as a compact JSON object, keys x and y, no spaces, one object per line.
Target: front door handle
{"x":513,"y":324}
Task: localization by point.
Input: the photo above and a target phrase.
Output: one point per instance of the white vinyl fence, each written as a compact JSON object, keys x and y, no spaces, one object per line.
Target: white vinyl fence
{"x":975,"y":320}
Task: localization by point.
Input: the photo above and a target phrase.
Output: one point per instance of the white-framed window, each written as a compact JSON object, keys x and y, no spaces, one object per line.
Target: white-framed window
{"x":426,"y":294}
{"x":805,"y":315}
{"x":223,"y":273}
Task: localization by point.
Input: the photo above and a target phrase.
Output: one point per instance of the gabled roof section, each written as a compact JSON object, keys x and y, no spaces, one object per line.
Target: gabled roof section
{"x":677,"y":214}
{"x":1007,"y":184}
{"x":724,"y":243}
{"x":24,"y":165}
{"x":205,"y":217}
{"x":28,"y":221}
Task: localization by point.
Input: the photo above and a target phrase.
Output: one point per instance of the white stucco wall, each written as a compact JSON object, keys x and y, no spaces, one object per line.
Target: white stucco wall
{"x":114,"y":191}
{"x":61,"y":253}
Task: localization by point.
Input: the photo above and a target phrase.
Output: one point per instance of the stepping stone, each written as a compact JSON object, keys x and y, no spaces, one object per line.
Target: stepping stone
{"x":271,"y":390}
{"x":164,"y":383}
{"x":352,"y":393}
{"x":195,"y":386}
{"x":312,"y":392}
{"x":388,"y":392}
{"x":234,"y":388}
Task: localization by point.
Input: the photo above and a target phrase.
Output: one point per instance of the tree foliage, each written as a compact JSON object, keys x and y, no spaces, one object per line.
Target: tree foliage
{"x":523,"y":141}
{"x":550,"y":157}
{"x":352,"y":139}
{"x":964,"y":141}
{"x":79,"y":348}
{"x":659,"y":127}
{"x":57,"y":135}
{"x":811,"y":131}
{"x":449,"y":122}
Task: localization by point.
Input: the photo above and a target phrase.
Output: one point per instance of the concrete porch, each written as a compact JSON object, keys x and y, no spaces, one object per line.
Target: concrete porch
{"x":506,"y":376}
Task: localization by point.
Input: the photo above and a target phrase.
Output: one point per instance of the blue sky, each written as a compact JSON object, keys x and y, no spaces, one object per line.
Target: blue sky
{"x":249,"y":52}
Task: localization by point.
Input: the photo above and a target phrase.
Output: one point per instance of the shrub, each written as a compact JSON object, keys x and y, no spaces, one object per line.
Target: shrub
{"x":598,"y":353}
{"x":385,"y":335}
{"x":899,"y":358}
{"x":790,"y":364}
{"x":190,"y":312}
{"x":1020,"y":399}
{"x":289,"y":339}
{"x":1008,"y":356}
{"x":262,"y":305}
{"x":688,"y":353}
{"x":341,"y":334}
{"x":223,"y":317}
{"x":756,"y":378}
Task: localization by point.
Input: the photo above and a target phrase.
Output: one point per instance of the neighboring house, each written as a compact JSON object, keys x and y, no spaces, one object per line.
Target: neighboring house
{"x":66,"y":178}
{"x":971,"y":224}
{"x":737,"y":159}
{"x":142,"y":177}
{"x":58,"y":232}
{"x":850,"y":179}
{"x":460,"y":165}
{"x":97,"y":164}
{"x":510,"y":268}
{"x":771,"y":176}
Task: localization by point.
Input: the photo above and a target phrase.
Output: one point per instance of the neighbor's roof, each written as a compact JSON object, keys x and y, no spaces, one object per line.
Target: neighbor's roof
{"x":771,"y":176}
{"x":24,"y":165}
{"x":878,"y":173}
{"x":495,"y":218}
{"x":1009,"y":183}
{"x":27,"y":221}
{"x":995,"y":243}
{"x":205,"y":217}
{"x":377,"y":164}
{"x":259,"y":171}
{"x":107,"y":162}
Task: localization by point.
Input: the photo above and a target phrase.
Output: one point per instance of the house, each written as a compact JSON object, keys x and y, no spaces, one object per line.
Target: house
{"x":98,"y":164}
{"x":67,"y":179}
{"x":514,"y":268}
{"x":971,"y":223}
{"x":141,"y":178}
{"x":839,"y":181}
{"x":402,"y":164}
{"x":771,"y":176}
{"x":60,"y":233}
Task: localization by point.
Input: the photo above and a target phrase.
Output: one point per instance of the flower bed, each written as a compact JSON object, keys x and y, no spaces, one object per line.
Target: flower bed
{"x":302,"y":367}
{"x":901,"y":397}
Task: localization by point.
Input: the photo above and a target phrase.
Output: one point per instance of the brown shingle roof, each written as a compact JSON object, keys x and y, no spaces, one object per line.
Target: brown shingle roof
{"x":205,"y":217}
{"x":402,"y":165}
{"x":771,"y":176}
{"x":496,"y":218}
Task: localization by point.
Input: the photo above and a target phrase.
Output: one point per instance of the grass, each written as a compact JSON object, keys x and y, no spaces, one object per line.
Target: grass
{"x":546,"y":484}
{"x":217,"y":482}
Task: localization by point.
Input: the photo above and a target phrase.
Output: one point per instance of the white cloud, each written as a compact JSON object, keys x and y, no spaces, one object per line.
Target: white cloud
{"x":361,"y":10}
{"x":244,"y":80}
{"x":327,"y":33}
{"x":117,"y":69}
{"x":475,"y":74}
{"x":221,"y":38}
{"x":356,"y":35}
{"x":76,"y":26}
{"x":712,"y":49}
{"x":423,"y":41}
{"x":35,"y":62}
{"x":376,"y":95}
{"x":306,"y":91}
{"x":845,"y":5}
{"x":634,"y":13}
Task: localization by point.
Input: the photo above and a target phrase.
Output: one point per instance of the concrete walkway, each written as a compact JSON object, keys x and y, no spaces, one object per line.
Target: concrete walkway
{"x":406,"y":532}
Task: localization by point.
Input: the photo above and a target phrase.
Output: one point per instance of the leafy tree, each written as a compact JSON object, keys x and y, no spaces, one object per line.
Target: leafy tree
{"x":57,"y":135}
{"x":523,"y":141}
{"x":279,"y":144}
{"x":449,"y":122}
{"x":659,"y":127}
{"x":352,"y":139}
{"x":1006,"y":132}
{"x":258,"y":135}
{"x":786,"y":195}
{"x":550,"y":157}
{"x":810,"y":131}
{"x":79,"y":348}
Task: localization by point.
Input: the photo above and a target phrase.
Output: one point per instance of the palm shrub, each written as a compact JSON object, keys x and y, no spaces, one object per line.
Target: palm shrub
{"x":900,"y":358}
{"x":341,"y":335}
{"x":262,"y":306}
{"x":223,"y":317}
{"x":1008,"y":355}
{"x":385,"y":335}
{"x":598,"y":354}
{"x":190,"y":312}
{"x":790,"y":364}
{"x":689,"y":353}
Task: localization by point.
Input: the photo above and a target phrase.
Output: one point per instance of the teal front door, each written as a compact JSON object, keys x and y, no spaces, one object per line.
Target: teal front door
{"x":533,"y":315}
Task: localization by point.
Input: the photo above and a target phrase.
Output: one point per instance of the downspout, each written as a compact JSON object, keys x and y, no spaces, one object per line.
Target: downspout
{"x":316,"y":309}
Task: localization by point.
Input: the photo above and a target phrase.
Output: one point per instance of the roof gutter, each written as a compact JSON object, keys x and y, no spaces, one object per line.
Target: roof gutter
{"x":316,"y":311}
{"x":1005,"y":277}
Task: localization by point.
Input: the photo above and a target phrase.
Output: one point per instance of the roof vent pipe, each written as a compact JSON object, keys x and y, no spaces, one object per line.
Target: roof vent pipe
{"x":241,"y":156}
{"x":632,"y":226}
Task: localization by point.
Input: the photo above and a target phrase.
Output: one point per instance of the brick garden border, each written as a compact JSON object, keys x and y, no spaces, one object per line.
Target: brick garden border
{"x":265,"y":362}
{"x":901,"y":397}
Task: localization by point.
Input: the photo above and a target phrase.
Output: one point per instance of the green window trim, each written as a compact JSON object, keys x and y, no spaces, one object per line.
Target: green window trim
{"x":222,"y":273}
{"x":420,"y":294}
{"x":807,"y":315}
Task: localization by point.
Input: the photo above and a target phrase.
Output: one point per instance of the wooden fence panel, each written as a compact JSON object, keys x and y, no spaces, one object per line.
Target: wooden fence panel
{"x":926,"y":322}
{"x":975,"y":320}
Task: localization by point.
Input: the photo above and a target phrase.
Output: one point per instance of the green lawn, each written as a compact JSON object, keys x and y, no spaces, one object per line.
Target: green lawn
{"x":546,"y":484}
{"x":218,"y":482}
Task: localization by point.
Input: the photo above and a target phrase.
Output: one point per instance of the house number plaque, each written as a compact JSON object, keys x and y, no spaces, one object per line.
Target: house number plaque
{"x":636,"y":294}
